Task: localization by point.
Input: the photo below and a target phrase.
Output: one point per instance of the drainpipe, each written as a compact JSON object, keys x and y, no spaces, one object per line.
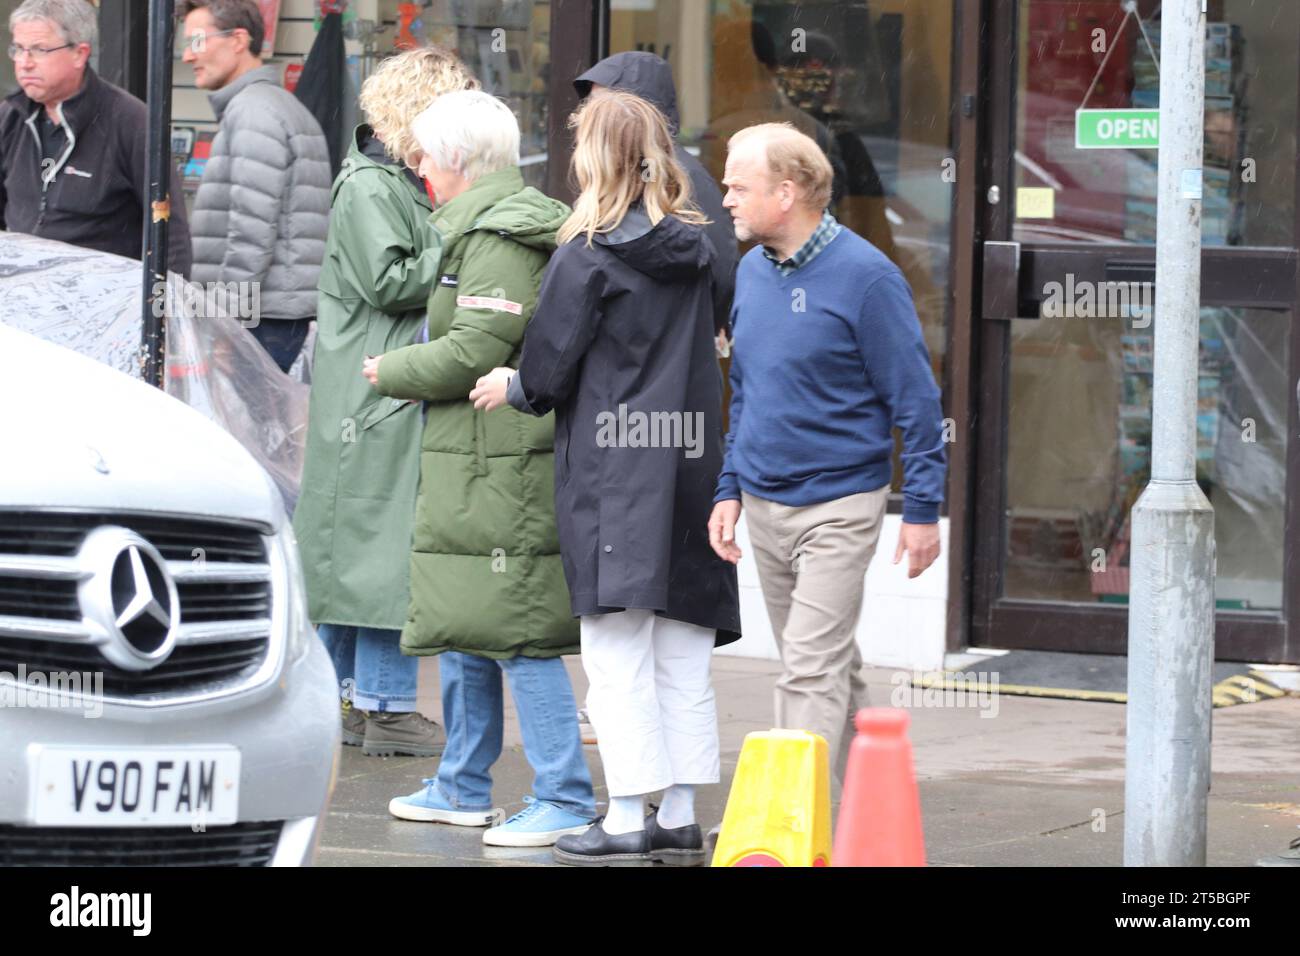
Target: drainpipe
{"x":158,"y":150}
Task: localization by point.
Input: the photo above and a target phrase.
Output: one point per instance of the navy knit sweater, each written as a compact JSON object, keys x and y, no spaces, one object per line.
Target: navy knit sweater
{"x":827,"y":361}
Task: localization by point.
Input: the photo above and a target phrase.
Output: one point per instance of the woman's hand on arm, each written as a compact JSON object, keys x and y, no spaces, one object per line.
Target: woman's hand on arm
{"x":370,"y":368}
{"x":489,"y":393}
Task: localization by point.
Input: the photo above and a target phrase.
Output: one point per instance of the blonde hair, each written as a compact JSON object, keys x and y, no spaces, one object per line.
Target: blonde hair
{"x":794,"y":156}
{"x":404,"y":85}
{"x":624,"y":153}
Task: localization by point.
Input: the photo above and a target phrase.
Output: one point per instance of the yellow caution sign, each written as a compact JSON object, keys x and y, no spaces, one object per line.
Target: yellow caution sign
{"x":779,"y":809}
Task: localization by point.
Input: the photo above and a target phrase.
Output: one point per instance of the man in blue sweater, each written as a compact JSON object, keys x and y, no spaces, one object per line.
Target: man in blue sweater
{"x":828,"y":359}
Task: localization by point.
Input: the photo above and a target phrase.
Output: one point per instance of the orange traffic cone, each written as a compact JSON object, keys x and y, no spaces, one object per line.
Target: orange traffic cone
{"x":880,"y":812}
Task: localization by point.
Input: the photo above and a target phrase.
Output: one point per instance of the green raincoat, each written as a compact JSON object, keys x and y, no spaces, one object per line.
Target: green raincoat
{"x":355,"y":512}
{"x":486,"y":575}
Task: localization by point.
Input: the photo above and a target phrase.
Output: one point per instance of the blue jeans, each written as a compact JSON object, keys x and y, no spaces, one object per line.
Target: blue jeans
{"x":372,"y":669}
{"x":472,"y":712}
{"x":282,"y":338}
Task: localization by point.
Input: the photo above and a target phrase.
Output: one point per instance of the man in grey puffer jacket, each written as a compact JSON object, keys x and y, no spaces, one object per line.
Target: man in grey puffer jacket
{"x":262,"y":211}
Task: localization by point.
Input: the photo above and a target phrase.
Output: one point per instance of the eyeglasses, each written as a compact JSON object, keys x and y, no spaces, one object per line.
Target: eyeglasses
{"x":35,"y":52}
{"x":199,"y":38}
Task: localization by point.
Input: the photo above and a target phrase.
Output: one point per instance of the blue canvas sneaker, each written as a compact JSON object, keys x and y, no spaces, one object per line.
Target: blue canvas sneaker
{"x":430,"y":806}
{"x":538,"y":824}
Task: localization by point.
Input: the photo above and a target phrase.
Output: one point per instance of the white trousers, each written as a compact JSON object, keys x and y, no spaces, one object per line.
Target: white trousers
{"x":650,"y":701}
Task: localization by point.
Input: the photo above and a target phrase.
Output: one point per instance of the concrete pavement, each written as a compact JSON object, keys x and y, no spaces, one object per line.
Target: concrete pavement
{"x":1038,"y":782}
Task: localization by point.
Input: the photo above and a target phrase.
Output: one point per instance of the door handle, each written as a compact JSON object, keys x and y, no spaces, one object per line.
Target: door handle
{"x":1001,"y":298}
{"x":1126,"y":271}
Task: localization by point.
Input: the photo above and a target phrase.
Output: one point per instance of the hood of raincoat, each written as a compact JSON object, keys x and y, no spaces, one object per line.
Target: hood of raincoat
{"x":500,"y":202}
{"x":648,"y":76}
{"x":670,"y":249}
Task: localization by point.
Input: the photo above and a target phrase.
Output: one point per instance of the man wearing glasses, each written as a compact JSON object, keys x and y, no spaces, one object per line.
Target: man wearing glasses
{"x":72,"y":146}
{"x":262,"y":211}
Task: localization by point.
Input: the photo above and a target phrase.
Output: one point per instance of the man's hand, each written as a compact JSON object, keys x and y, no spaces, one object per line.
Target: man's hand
{"x":490,"y":390}
{"x":722,"y":530}
{"x":921,"y":542}
{"x":370,"y":368}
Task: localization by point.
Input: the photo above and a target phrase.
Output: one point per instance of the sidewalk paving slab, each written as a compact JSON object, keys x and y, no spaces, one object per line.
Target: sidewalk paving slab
{"x":1038,"y":782}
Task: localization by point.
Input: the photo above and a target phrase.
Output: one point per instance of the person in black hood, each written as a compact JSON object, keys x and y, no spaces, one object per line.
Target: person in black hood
{"x":621,"y":347}
{"x":651,"y":78}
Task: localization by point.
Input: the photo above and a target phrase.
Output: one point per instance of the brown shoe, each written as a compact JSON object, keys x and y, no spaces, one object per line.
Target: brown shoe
{"x":354,"y":724}
{"x":403,"y":734}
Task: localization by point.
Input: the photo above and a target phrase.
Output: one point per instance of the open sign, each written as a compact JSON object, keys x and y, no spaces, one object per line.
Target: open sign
{"x":1117,"y":129}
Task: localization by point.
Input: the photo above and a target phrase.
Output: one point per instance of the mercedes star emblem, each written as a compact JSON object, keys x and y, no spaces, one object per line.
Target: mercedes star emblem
{"x":128,"y":598}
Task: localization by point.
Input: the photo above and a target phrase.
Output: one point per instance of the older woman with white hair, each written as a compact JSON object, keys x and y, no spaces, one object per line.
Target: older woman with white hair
{"x":487,"y":584}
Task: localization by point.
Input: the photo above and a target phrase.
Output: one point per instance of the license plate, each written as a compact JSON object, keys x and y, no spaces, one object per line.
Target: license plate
{"x":177,"y":786}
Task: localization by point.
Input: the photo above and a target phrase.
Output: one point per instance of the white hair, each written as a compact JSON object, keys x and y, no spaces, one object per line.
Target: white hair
{"x":469,"y":132}
{"x":76,"y":20}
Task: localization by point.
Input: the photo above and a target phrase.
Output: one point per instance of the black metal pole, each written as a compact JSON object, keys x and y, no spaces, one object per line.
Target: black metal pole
{"x":158,"y":147}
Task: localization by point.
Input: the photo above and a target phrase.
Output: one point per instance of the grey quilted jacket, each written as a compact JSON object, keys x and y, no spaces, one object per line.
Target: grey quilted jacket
{"x":262,"y":210}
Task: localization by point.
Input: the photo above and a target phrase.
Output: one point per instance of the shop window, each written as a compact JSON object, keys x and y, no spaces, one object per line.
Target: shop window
{"x":1079,"y":453}
{"x":870,"y":80}
{"x":8,"y":81}
{"x":505,"y":42}
{"x":1097,"y":55}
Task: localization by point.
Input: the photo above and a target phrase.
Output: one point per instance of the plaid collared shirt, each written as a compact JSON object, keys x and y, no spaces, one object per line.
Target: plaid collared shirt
{"x":826,"y":230}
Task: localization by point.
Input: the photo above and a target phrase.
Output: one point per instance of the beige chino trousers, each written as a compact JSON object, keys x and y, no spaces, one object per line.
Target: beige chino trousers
{"x":811,"y":565}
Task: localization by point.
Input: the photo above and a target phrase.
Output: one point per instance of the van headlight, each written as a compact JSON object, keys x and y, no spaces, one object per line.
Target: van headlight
{"x":296,"y":617}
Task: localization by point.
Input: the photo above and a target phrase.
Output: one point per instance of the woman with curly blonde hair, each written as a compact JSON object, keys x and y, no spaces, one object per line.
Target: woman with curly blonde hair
{"x":621,"y":347}
{"x":403,"y":87}
{"x":356,"y":509}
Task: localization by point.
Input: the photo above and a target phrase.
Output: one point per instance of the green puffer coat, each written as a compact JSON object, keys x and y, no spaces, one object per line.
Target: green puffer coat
{"x":486,"y":575}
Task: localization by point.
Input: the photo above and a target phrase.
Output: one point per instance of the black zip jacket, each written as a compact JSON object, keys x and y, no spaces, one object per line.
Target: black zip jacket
{"x":95,"y":192}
